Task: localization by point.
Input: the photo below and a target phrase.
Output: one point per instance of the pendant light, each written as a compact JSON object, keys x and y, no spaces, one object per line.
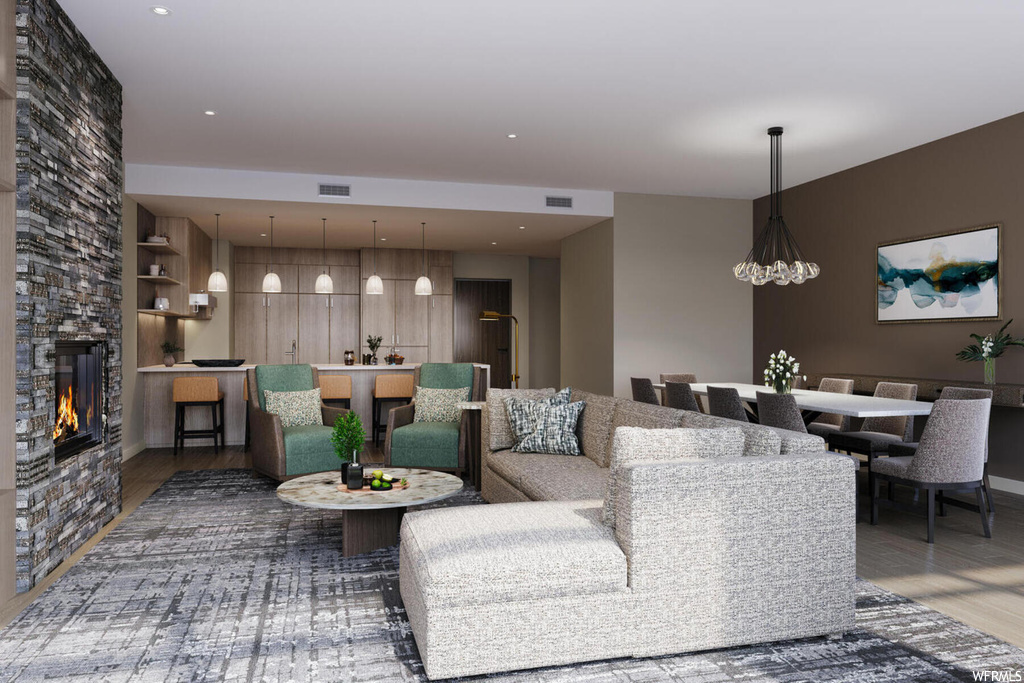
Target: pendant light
{"x":775,"y":256}
{"x":423,"y":285}
{"x":324,"y":283}
{"x":218,"y":282}
{"x":374,"y":285}
{"x":271,"y":282}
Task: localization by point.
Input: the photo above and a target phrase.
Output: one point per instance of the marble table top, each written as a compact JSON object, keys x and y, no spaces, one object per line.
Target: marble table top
{"x":320,"y":490}
{"x":828,"y":402}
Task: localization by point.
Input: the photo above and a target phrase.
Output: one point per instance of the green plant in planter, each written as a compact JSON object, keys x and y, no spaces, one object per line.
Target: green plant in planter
{"x":348,"y":436}
{"x":170,"y":348}
{"x":374,"y":343}
{"x":988,"y":348}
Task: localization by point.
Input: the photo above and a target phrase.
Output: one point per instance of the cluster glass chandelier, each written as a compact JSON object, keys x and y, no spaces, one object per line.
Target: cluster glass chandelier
{"x":775,"y":256}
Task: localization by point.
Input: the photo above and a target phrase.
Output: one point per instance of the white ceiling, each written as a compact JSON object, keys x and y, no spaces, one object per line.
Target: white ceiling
{"x":657,"y":96}
{"x":298,"y":224}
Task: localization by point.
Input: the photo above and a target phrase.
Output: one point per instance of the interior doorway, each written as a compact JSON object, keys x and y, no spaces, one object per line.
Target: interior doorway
{"x":488,"y":342}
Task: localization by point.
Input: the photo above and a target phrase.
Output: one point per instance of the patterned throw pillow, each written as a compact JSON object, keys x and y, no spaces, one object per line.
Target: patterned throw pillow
{"x":439,"y":405}
{"x":295,"y":408}
{"x":636,"y":444}
{"x":524,"y":412}
{"x":554,"y":432}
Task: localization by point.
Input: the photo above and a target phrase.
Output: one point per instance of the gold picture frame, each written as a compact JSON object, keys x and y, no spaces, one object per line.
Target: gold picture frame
{"x":898,"y":304}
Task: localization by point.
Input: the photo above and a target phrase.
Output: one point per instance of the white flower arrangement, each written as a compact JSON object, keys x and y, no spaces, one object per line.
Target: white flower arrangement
{"x":782,"y":369}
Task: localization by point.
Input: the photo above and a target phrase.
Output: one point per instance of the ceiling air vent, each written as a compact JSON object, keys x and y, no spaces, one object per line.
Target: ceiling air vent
{"x":559,"y":202}
{"x":335,"y":190}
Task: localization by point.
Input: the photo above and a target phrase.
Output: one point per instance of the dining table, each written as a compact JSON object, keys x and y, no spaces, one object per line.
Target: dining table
{"x":813,"y":403}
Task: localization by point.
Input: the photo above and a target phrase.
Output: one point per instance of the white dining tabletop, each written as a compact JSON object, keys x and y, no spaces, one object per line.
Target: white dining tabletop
{"x":826,"y":401}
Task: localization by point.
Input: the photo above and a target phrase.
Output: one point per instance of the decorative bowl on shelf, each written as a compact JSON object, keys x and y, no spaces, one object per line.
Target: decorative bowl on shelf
{"x":218,"y":363}
{"x":157,"y":239}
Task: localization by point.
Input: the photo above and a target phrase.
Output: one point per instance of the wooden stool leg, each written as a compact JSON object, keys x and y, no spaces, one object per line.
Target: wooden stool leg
{"x":213,"y":426}
{"x":245,"y":441}
{"x":177,"y":426}
{"x":376,"y":420}
{"x":220,"y":404}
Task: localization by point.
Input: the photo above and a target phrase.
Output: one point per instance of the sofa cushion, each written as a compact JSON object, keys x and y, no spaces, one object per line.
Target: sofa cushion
{"x":501,"y":436}
{"x":446,"y":375}
{"x":511,"y":466}
{"x":512,"y":552}
{"x":554,"y":431}
{"x":523,"y":413}
{"x":282,"y":378}
{"x":439,"y":405}
{"x":425,"y":444}
{"x":308,"y":449}
{"x":558,"y":483}
{"x":757,"y":440}
{"x":631,"y":444}
{"x":594,"y":427}
{"x":795,"y":442}
{"x":295,"y":408}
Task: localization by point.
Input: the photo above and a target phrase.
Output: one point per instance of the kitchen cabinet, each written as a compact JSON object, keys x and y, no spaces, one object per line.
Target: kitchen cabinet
{"x":344,"y":326}
{"x":282,"y":326}
{"x":314,"y":328}
{"x":250,"y":327}
{"x":442,"y":329}
{"x":411,"y":324}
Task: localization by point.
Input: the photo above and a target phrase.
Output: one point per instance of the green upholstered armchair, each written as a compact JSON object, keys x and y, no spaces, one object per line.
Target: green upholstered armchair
{"x":286,"y":452}
{"x":433,"y":445}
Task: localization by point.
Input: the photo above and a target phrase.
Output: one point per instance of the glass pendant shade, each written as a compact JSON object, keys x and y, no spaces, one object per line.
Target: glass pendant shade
{"x":271,"y":283}
{"x":218,"y":282}
{"x":775,"y":256}
{"x":374,"y":285}
{"x":324,"y":284}
{"x":423,"y":286}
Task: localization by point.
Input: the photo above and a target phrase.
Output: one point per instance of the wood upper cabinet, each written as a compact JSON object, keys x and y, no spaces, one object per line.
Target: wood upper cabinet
{"x":377,"y":314}
{"x":282,"y":326}
{"x":441,"y":329}
{"x":442,"y":280}
{"x":346,"y":280}
{"x":411,"y":322}
{"x":250,"y":327}
{"x":314,"y":328}
{"x":248,"y":277}
{"x":344,"y":326}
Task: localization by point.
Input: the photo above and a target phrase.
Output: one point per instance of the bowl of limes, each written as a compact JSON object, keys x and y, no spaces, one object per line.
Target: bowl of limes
{"x":379,"y":480}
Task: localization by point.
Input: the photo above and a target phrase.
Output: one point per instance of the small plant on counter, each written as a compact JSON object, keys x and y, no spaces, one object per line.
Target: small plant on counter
{"x":781,"y":371}
{"x":348,"y":436}
{"x":374,"y":344}
{"x":988,"y":348}
{"x":169,"y":349}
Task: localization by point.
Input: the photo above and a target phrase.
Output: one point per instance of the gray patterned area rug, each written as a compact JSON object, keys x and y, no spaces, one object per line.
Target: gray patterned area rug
{"x":212,"y":578}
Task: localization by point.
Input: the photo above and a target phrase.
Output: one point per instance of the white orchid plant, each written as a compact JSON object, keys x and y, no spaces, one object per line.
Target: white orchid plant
{"x":781,"y":371}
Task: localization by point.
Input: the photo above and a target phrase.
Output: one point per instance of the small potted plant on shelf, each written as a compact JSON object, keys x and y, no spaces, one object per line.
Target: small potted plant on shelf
{"x":988,"y":348}
{"x":374,"y":344}
{"x":781,"y":372}
{"x":169,"y":349}
{"x":348,"y":439}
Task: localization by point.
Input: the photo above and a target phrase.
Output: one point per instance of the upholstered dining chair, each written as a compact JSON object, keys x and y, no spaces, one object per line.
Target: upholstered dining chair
{"x":725,"y":402}
{"x":280,"y":452}
{"x":643,"y":391}
{"x":831,"y":423}
{"x":682,"y":378}
{"x":950,"y":457}
{"x":779,"y":410}
{"x":954,"y":394}
{"x":680,"y":396}
{"x":434,"y":445}
{"x":877,"y":434}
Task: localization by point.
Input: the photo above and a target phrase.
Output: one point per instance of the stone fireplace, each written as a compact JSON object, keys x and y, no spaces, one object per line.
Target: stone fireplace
{"x":68,"y":292}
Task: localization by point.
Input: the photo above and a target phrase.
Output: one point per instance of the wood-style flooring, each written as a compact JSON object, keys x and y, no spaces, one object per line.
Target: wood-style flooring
{"x":976,"y":580}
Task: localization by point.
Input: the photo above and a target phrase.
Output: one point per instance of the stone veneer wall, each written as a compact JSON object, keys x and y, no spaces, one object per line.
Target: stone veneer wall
{"x":70,"y":178}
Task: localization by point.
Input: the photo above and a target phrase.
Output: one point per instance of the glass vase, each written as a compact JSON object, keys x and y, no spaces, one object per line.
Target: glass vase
{"x":783,"y":386}
{"x":990,"y":371}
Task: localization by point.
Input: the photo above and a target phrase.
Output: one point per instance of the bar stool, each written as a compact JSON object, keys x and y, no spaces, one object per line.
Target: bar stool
{"x":336,"y":390}
{"x":245,"y":398}
{"x":389,"y":389}
{"x":197,"y":391}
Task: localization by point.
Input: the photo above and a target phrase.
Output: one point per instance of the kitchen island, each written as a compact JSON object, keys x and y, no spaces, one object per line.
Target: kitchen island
{"x":158,"y":407}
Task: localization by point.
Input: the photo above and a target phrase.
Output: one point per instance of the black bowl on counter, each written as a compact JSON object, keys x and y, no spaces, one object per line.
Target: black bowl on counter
{"x":218,"y":363}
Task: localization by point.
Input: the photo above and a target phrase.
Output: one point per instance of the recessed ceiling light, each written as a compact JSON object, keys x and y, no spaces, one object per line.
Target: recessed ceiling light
{"x":512,"y":136}
{"x":160,"y":10}
{"x":383,"y":239}
{"x":494,"y":243}
{"x":522,"y":227}
{"x":263,"y":234}
{"x":210,"y":112}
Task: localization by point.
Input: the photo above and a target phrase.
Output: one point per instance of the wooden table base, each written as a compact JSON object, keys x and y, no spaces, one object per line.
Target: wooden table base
{"x":366,"y":530}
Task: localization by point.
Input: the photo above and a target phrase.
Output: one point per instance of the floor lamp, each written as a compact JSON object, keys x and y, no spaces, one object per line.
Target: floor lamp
{"x":494,"y":315}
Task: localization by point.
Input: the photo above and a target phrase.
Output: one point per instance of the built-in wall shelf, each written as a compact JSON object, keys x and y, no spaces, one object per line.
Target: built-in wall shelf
{"x":163,"y":314}
{"x":158,"y":248}
{"x":159,"y":279}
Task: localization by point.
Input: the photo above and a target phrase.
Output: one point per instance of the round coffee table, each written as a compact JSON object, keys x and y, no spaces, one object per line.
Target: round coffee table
{"x":371,"y":519}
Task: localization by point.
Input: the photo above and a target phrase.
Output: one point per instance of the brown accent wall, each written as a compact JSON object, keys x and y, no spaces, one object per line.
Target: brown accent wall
{"x":968,"y":179}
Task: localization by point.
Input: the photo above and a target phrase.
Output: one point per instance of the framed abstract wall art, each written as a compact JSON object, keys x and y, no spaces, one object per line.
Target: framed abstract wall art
{"x":954,"y":276}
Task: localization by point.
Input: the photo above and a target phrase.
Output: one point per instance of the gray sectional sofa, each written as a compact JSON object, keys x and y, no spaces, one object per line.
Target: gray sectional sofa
{"x":699,"y":553}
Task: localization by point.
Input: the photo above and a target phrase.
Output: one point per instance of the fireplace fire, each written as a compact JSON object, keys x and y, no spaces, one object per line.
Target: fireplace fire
{"x":78,"y":392}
